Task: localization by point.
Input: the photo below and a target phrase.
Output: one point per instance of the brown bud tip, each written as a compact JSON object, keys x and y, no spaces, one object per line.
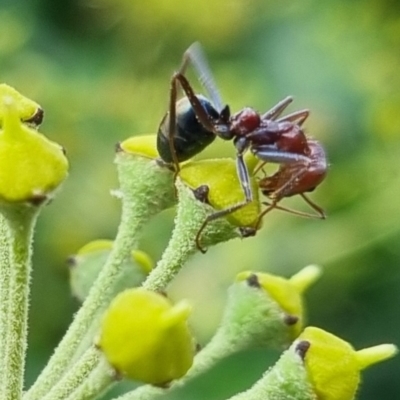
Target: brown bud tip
{"x":37,"y":118}
{"x":38,"y":199}
{"x":117,"y":375}
{"x":290,"y":319}
{"x":201,"y":193}
{"x":302,"y":348}
{"x":71,"y":261}
{"x":118,"y":148}
{"x":247,"y":231}
{"x":253,"y":281}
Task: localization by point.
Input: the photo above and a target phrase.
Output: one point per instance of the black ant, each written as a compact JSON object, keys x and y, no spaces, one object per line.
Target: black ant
{"x":193,"y":123}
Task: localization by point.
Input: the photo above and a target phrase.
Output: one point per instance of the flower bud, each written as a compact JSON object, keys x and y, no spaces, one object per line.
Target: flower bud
{"x":334,"y":366}
{"x":318,"y":365}
{"x":224,"y":188}
{"x":255,"y":316}
{"x":146,"y":338}
{"x":144,"y":146}
{"x":146,"y":186}
{"x":90,"y":259}
{"x":287,"y":293}
{"x":31,"y":166}
{"x":27,"y":110}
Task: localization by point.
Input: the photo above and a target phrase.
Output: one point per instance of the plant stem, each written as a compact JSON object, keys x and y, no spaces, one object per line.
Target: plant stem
{"x":180,"y":247}
{"x":95,"y":303}
{"x":4,"y":293}
{"x":20,"y":220}
{"x":190,"y":216}
{"x":101,"y":379}
{"x":74,"y":377}
{"x":142,"y":198}
{"x":287,"y":379}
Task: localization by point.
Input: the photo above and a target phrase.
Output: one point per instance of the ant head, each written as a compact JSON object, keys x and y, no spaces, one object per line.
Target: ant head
{"x":246,"y":120}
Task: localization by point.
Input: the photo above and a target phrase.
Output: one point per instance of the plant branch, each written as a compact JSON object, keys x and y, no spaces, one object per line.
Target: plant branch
{"x":20,"y":220}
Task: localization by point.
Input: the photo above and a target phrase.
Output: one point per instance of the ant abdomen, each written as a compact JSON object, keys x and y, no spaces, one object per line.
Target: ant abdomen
{"x":191,"y":137}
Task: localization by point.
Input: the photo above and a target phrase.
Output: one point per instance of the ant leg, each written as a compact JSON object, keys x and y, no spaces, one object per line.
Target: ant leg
{"x":274,"y":205}
{"x":295,"y":212}
{"x":280,"y":192}
{"x":244,"y":178}
{"x":260,"y":167}
{"x":262,"y":213}
{"x":199,"y":110}
{"x":277,"y":109}
{"x":195,"y":55}
{"x":318,"y":209}
{"x":298,"y":116}
{"x":269,"y":153}
{"x":213,"y":217}
{"x":172,"y":125}
{"x":197,"y":107}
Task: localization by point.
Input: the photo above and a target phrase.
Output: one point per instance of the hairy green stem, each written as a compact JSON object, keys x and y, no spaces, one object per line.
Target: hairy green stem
{"x":20,"y":220}
{"x":74,"y":377}
{"x":101,"y":379}
{"x":190,"y":216}
{"x":180,"y":247}
{"x":287,"y":379}
{"x":96,"y":301}
{"x":4,"y":293}
{"x":141,"y":199}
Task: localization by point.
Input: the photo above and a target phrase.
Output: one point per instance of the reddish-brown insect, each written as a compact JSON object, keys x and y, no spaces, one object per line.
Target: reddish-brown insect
{"x":192,"y":123}
{"x":296,"y":178}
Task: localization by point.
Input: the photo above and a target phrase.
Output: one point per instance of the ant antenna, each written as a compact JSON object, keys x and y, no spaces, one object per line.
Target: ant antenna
{"x":198,"y":59}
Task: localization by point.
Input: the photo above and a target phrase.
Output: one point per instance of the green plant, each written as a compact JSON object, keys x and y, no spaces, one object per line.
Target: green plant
{"x":125,"y":331}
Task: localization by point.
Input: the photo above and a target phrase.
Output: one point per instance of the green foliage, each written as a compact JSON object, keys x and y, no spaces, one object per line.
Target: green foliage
{"x":101,"y":71}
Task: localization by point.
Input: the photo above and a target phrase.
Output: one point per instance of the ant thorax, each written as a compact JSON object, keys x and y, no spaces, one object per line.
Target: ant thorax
{"x":293,"y":139}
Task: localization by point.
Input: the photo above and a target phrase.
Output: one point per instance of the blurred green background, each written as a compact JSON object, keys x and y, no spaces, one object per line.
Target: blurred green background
{"x":101,"y":70}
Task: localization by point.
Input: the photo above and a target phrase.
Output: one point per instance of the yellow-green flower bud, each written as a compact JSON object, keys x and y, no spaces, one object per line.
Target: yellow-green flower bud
{"x":262,"y":310}
{"x":143,"y":260}
{"x":146,"y":338}
{"x":220,"y":176}
{"x":31,"y":166}
{"x":287,"y":292}
{"x":27,"y":110}
{"x":334,"y":366}
{"x":317,"y":366}
{"x":87,"y":263}
{"x":145,"y":185}
{"x":145,"y":146}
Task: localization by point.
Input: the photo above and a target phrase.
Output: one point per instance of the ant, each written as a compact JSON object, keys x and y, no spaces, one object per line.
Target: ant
{"x":193,"y":122}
